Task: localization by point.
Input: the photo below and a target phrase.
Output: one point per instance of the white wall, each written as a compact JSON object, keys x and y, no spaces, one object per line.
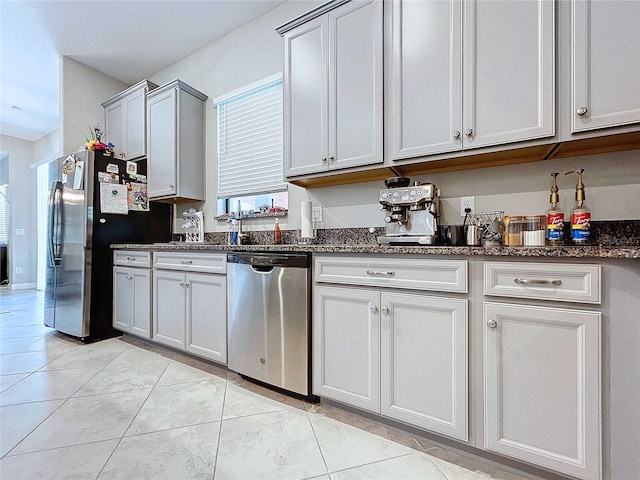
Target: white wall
{"x":255,"y":51}
{"x":82,"y":92}
{"x":252,"y":52}
{"x":22,"y":211}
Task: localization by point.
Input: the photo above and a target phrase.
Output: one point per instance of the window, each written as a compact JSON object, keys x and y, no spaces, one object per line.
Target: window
{"x":250,"y":150}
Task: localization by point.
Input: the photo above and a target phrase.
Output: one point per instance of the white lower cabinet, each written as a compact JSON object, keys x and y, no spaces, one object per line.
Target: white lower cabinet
{"x":424,"y":362}
{"x":402,"y":355}
{"x":346,"y":346}
{"x":542,"y":386}
{"x":132,"y":300}
{"x":190,"y":310}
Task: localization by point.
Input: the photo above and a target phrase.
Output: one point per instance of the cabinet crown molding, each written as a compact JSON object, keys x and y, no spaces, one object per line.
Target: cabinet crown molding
{"x":316,"y":12}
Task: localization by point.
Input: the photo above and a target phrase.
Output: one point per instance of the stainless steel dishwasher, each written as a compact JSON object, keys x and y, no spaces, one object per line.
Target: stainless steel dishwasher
{"x":269,"y":318}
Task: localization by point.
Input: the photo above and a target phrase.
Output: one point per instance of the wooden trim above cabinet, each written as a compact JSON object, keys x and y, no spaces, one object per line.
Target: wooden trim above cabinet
{"x":345,"y":178}
{"x":573,"y":148}
{"x":595,"y":145}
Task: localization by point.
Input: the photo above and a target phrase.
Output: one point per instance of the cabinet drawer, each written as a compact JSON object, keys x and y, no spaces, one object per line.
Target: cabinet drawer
{"x":544,"y":281}
{"x":191,"y":262}
{"x":411,"y":273}
{"x":132,"y":258}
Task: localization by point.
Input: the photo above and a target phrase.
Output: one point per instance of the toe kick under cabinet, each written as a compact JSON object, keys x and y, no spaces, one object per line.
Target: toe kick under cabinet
{"x":385,"y":339}
{"x":189,"y":303}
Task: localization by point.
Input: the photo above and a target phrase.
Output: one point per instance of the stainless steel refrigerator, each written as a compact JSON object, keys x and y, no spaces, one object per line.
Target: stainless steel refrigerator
{"x":79,"y":277}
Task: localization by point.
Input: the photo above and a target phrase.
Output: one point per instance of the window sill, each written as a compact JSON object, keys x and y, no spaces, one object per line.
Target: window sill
{"x":249,"y":216}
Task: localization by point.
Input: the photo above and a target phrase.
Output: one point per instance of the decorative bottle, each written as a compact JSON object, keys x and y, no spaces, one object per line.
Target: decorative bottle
{"x":580,"y":214}
{"x":277,"y":234}
{"x":555,"y":216}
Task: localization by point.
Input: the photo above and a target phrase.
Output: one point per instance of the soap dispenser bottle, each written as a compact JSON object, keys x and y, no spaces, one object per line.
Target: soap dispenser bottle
{"x":555,"y":216}
{"x":580,"y":214}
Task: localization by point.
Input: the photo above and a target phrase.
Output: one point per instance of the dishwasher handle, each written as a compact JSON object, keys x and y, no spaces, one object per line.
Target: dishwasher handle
{"x":262,"y":269}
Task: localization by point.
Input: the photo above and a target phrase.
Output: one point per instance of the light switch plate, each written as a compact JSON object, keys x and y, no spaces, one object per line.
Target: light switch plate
{"x":316,"y":214}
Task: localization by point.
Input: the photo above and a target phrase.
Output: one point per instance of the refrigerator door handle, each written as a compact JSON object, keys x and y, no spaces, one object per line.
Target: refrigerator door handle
{"x":55,"y":224}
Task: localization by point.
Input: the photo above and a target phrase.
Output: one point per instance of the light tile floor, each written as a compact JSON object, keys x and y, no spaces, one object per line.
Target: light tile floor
{"x":124,"y":409}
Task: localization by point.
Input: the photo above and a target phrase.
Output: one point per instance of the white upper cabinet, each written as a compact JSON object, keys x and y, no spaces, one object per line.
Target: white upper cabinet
{"x":606,"y":64}
{"x":125,"y":121}
{"x":176,"y":143}
{"x":462,"y":77}
{"x":333,"y":90}
{"x":424,"y":66}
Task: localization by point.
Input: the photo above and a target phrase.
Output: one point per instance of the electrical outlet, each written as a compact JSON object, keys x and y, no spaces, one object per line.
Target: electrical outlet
{"x":467,"y":202}
{"x":18,"y":270}
{"x":316,"y":214}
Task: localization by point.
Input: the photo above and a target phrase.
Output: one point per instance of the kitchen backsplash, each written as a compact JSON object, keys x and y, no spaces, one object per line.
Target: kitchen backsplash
{"x":603,"y":233}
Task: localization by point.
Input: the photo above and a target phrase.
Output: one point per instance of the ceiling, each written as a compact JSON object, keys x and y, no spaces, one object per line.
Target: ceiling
{"x":128,"y":40}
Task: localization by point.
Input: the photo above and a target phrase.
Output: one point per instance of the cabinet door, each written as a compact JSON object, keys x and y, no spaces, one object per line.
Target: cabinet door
{"x":114,"y":127}
{"x":346,"y":346}
{"x":305,"y":98}
{"x":122,"y":299}
{"x":424,"y":362}
{"x":355,"y":84}
{"x":207,"y":316}
{"x":424,"y":75}
{"x":141,"y":302}
{"x":542,"y":386}
{"x":162,"y":144}
{"x":135,"y":126}
{"x":508,"y":85}
{"x":169,"y":297}
{"x":606,"y":63}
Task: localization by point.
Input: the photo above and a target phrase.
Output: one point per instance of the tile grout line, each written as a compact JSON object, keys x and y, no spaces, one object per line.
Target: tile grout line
{"x":224,"y":403}
{"x":134,"y":417}
{"x":317,"y":442}
{"x":55,"y":410}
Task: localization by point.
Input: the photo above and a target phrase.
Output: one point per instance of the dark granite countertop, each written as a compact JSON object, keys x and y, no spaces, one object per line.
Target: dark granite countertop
{"x":630,"y":252}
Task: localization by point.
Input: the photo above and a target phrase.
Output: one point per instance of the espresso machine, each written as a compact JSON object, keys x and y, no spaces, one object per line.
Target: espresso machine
{"x":411,"y":212}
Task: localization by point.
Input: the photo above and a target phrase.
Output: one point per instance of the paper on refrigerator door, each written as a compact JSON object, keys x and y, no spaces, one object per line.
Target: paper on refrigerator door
{"x":113,"y":198}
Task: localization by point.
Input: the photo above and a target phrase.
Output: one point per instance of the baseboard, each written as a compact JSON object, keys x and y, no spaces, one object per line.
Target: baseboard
{"x":23,"y":286}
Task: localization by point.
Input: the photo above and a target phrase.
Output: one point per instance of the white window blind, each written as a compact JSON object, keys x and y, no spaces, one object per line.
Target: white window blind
{"x":250,"y":139}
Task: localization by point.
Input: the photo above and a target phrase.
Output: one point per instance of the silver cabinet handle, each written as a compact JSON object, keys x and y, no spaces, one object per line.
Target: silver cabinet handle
{"x":184,"y":284}
{"x":324,"y":159}
{"x":582,"y":111}
{"x":171,"y":186}
{"x":131,"y":259}
{"x":492,"y":324}
{"x":373,"y":308}
{"x":187,"y":262}
{"x":128,"y":277}
{"x":468,"y":132}
{"x":535,"y":281}
{"x":381,"y":272}
{"x":456,"y":134}
{"x":385,"y":310}
{"x":330,"y":158}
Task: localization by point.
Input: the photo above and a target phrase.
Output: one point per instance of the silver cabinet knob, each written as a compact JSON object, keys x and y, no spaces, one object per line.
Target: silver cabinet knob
{"x":582,"y":111}
{"x":492,"y":324}
{"x":373,"y":308}
{"x":324,"y":159}
{"x":456,"y":134}
{"x":330,"y":158}
{"x":385,"y":310}
{"x":468,"y":132}
{"x":171,"y":187}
